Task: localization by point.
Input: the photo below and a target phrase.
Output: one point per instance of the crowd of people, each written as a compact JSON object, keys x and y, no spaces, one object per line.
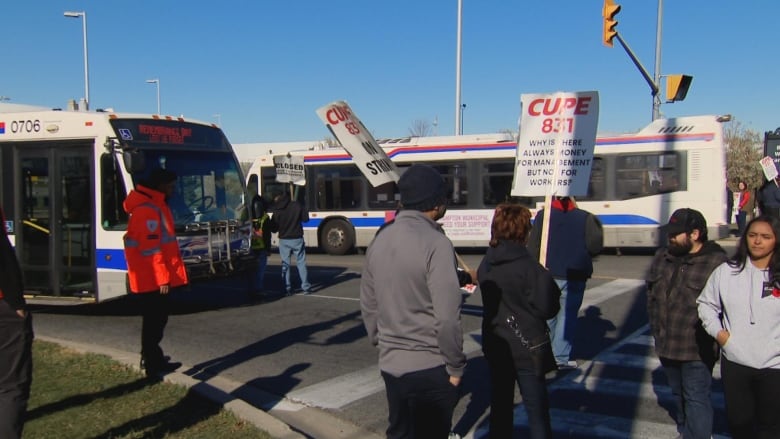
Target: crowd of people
{"x":703,"y":306}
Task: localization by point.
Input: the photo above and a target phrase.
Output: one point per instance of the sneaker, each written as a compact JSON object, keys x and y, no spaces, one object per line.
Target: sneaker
{"x":569,"y":365}
{"x":306,"y":292}
{"x":288,"y":293}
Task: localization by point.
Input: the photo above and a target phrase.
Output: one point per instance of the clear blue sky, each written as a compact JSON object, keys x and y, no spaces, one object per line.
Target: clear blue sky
{"x":266,"y":66}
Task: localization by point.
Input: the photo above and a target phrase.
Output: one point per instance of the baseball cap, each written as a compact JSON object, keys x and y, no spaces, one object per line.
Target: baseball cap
{"x":685,"y":220}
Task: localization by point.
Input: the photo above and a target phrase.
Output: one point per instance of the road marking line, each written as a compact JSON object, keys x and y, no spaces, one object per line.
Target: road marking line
{"x":339,"y":391}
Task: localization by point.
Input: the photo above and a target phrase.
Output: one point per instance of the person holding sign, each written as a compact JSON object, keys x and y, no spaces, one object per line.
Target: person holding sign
{"x":770,"y":198}
{"x":575,"y":237}
{"x":410,"y":301}
{"x":288,"y":217}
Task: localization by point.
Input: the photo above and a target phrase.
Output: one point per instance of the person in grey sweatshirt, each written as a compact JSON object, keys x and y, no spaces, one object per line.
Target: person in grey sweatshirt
{"x":410,"y":302}
{"x":740,"y":307}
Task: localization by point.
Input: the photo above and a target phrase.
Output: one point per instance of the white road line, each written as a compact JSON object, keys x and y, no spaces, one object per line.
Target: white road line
{"x":342,"y":390}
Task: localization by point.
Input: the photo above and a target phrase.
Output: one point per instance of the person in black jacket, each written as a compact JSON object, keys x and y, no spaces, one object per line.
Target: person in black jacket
{"x":575,"y":237}
{"x":288,"y":218}
{"x":518,"y":297}
{"x":16,"y":336}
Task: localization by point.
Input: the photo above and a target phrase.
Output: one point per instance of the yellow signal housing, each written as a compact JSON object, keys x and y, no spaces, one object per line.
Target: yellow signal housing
{"x":609,"y":11}
{"x":677,"y":87}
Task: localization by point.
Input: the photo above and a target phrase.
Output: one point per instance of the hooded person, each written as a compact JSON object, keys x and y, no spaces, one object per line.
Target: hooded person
{"x":409,"y":284}
{"x":288,"y":218}
{"x":154,"y":263}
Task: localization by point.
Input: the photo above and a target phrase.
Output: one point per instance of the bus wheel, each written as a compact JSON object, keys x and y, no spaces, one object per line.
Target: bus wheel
{"x":337,"y":237}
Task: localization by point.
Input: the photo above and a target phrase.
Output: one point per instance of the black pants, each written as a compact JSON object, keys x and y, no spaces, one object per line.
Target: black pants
{"x":16,"y":336}
{"x":752,"y":404}
{"x":533,"y":388}
{"x":420,"y":404}
{"x":155,"y":308}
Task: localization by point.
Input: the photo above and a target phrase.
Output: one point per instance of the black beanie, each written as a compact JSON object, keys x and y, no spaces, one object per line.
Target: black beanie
{"x":422,"y":188}
{"x":159,"y":177}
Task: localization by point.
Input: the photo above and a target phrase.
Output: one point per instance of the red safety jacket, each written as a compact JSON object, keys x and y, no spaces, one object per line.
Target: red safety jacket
{"x":151,"y":249}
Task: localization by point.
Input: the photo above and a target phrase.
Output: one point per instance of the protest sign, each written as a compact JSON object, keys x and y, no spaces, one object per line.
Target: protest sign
{"x":555,"y":149}
{"x":353,"y":136}
{"x":289,"y":169}
{"x":769,"y":168}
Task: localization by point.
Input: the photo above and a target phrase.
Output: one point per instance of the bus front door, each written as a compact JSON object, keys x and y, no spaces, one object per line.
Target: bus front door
{"x":55,"y":240}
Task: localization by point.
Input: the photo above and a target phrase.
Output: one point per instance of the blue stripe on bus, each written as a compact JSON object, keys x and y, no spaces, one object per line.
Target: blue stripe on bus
{"x":626,"y":220}
{"x":607,"y":220}
{"x":110,"y":258}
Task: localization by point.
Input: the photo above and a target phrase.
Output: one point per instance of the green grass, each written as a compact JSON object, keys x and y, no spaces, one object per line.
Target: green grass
{"x":78,"y":395}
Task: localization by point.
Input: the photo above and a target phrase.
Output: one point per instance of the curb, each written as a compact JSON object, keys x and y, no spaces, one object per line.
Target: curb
{"x":216,"y":393}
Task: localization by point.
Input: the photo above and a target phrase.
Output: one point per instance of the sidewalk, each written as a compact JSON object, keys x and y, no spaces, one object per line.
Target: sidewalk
{"x":278,"y":416}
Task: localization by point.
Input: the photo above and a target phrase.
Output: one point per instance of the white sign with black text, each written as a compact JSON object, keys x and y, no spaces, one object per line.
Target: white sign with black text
{"x":369,"y":157}
{"x":289,"y":169}
{"x":555,"y":149}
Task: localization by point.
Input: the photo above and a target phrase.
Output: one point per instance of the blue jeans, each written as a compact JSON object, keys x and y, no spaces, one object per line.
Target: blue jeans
{"x":288,"y":247}
{"x":741,"y":220}
{"x":564,"y":325}
{"x":690,"y":382}
{"x":256,"y":279}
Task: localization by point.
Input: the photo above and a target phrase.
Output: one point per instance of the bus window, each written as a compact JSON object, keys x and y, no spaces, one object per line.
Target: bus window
{"x":597,"y":187}
{"x":641,"y":175}
{"x":339,"y":187}
{"x":113,"y":194}
{"x":496,"y":182}
{"x":383,"y":197}
{"x":454,"y":175}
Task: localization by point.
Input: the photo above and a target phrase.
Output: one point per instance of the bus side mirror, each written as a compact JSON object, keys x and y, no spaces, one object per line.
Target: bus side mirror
{"x":134,"y":161}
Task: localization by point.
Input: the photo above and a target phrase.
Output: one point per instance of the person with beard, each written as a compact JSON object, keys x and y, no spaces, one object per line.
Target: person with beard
{"x":410,"y":302}
{"x":677,"y":276}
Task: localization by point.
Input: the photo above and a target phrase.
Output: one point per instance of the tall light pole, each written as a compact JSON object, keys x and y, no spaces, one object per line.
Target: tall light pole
{"x":157,"y":82}
{"x":657,"y":75}
{"x":219,"y":119}
{"x":83,"y":16}
{"x":458,"y":125}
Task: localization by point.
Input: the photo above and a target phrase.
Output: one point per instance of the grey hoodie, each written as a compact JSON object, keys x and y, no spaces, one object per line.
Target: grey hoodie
{"x":410,"y":297}
{"x":736,"y":301}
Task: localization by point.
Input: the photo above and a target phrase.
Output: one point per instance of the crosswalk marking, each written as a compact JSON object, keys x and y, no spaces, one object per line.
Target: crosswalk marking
{"x":592,"y":382}
{"x":342,"y":390}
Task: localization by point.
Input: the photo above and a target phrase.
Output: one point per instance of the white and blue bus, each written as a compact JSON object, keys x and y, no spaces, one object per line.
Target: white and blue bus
{"x":637,"y":181}
{"x":65,"y":174}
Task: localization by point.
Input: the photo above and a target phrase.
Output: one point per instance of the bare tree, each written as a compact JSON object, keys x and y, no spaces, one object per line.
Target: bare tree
{"x":420,"y":128}
{"x":743,"y":153}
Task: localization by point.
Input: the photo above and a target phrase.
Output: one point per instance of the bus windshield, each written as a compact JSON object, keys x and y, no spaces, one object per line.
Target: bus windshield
{"x":208,"y":188}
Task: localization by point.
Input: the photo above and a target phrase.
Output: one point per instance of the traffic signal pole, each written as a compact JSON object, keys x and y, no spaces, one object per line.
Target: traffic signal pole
{"x":642,"y":70}
{"x":657,"y":81}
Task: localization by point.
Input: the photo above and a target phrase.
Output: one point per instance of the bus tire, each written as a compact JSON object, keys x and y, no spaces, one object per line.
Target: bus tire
{"x":337,"y":237}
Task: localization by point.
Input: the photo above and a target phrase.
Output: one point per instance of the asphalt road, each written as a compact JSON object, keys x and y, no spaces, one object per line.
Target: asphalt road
{"x":312,"y":350}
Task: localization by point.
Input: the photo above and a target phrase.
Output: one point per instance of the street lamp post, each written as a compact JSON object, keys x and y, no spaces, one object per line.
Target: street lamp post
{"x":83,"y":16}
{"x":157,"y":82}
{"x":458,"y":51}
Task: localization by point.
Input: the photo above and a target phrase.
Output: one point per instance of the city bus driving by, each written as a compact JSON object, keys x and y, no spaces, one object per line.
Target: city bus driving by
{"x":65,"y":175}
{"x":637,"y":181}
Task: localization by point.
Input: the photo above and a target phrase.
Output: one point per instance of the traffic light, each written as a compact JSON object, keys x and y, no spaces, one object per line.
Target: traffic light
{"x":677,"y":87}
{"x":608,"y":12}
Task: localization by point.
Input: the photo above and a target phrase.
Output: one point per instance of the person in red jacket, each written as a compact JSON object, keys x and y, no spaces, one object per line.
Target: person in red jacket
{"x":745,"y":206}
{"x":154,"y":263}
